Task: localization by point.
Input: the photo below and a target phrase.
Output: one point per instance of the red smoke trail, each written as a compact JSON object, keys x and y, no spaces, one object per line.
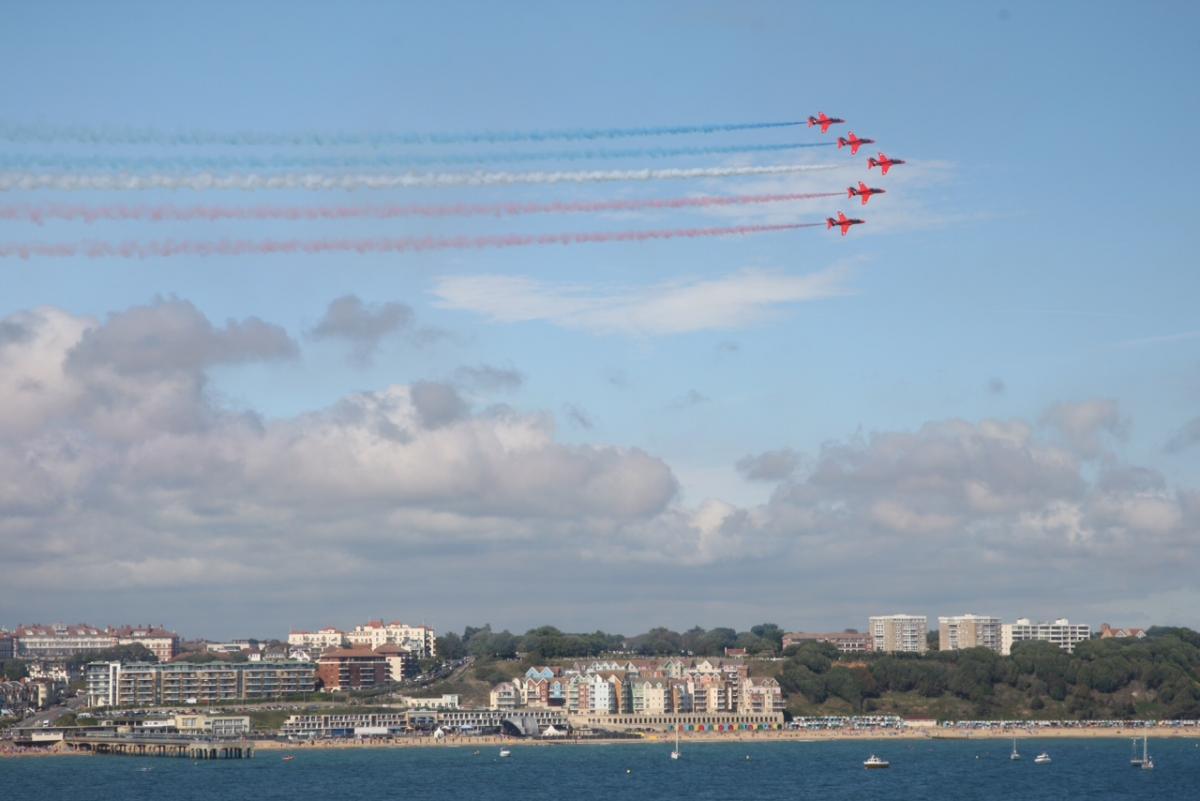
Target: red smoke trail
{"x":142,"y":250}
{"x":90,"y":214}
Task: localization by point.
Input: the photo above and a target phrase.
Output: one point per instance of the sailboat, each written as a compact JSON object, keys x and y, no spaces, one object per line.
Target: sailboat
{"x":1147,"y":760}
{"x":1135,"y":761}
{"x":1014,"y":756}
{"x":675,"y":753}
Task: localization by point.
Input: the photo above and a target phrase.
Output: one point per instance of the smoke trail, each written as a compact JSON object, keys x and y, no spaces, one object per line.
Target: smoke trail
{"x":275,"y":162}
{"x":325,"y":181}
{"x":91,"y":214}
{"x":101,"y":136}
{"x":165,"y":249}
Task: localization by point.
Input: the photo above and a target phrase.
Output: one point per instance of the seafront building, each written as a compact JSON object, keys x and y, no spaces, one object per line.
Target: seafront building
{"x":969,"y":631}
{"x":1061,"y":632}
{"x":156,"y":684}
{"x":898,"y":633}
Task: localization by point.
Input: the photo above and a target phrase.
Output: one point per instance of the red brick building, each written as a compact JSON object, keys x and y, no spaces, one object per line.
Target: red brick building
{"x":351,"y":669}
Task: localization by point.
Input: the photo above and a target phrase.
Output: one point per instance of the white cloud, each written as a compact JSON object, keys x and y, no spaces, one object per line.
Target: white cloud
{"x":732,"y":301}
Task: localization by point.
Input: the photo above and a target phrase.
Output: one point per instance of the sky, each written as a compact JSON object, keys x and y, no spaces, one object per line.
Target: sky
{"x":984,"y":399}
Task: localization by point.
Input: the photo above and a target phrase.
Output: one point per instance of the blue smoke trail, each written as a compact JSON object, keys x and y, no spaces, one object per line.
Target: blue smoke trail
{"x":11,"y":161}
{"x":101,"y":136}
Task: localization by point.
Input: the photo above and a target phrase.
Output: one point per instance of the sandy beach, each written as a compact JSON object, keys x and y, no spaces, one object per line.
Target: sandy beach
{"x":1156,"y":732}
{"x":748,"y":738}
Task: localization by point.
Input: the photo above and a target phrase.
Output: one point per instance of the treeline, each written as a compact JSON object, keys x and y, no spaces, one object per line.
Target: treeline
{"x":1115,"y":678}
{"x":547,"y":642}
{"x":135,"y":652}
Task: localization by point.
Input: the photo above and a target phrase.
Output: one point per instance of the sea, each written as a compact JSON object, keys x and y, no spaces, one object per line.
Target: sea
{"x":943,"y":770}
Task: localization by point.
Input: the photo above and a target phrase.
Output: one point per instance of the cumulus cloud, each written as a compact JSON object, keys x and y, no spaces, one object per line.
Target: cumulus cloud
{"x":364,"y":326}
{"x":578,"y":417}
{"x":121,"y":470}
{"x":1084,"y":426}
{"x":485,"y":377}
{"x":116,"y":466}
{"x":769,"y":465}
{"x":687,"y":400}
{"x":732,"y":301}
{"x":173,"y":336}
{"x":1186,"y":437}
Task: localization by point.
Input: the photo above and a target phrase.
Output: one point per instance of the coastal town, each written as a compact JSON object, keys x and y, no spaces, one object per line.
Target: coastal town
{"x":83,"y":687}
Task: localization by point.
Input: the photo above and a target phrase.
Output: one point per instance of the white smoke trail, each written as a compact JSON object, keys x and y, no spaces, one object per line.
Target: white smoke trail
{"x":101,"y":136}
{"x":325,"y":181}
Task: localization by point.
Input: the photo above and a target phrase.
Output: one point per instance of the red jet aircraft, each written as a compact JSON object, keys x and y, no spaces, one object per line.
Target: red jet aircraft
{"x":883,"y":162}
{"x":864,"y":192}
{"x":823,"y":121}
{"x":853,"y":142}
{"x":842,"y":220}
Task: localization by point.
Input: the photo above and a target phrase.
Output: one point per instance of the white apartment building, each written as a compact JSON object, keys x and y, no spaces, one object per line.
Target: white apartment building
{"x":1061,"y":632}
{"x":317,"y":640}
{"x":968,"y":631}
{"x":420,"y":640}
{"x":898,"y":633}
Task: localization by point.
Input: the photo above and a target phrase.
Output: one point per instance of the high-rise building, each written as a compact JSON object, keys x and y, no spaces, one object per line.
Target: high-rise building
{"x":898,"y":633}
{"x":1061,"y":632}
{"x":968,"y":631}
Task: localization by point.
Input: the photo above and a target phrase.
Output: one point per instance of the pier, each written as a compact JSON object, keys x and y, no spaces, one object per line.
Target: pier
{"x":148,"y":745}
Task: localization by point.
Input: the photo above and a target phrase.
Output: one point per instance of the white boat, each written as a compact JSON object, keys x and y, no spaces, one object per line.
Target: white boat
{"x":1147,"y":760}
{"x":1014,"y":756}
{"x":1135,"y":761}
{"x":1042,"y":759}
{"x":505,"y":752}
{"x":874,"y":763}
{"x":675,"y":753}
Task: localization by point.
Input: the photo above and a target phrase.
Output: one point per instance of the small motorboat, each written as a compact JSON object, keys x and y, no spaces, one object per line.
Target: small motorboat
{"x":505,"y":752}
{"x":1042,"y":759}
{"x":875,"y":763}
{"x":288,"y":757}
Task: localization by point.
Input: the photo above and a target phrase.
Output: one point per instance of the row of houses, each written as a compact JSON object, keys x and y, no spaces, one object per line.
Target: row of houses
{"x":420,"y":641}
{"x":21,"y":695}
{"x":645,"y":688}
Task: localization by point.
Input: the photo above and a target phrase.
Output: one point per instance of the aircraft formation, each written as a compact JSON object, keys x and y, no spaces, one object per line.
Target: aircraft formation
{"x":884,"y":163}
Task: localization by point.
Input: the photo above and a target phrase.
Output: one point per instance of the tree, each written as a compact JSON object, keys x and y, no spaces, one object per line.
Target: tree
{"x":450,"y":646}
{"x":770,"y":633}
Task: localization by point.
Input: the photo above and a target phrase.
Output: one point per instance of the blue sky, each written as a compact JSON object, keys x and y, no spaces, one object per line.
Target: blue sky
{"x":1035,"y":253}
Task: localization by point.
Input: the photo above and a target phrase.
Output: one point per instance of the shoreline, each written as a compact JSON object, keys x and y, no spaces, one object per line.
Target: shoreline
{"x":666,"y":738}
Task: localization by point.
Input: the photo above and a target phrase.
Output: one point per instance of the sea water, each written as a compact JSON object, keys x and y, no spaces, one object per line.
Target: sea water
{"x":945,"y":770}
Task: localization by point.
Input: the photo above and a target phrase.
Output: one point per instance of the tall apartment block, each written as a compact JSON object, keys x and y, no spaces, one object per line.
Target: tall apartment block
{"x":969,"y":631}
{"x":898,"y":633}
